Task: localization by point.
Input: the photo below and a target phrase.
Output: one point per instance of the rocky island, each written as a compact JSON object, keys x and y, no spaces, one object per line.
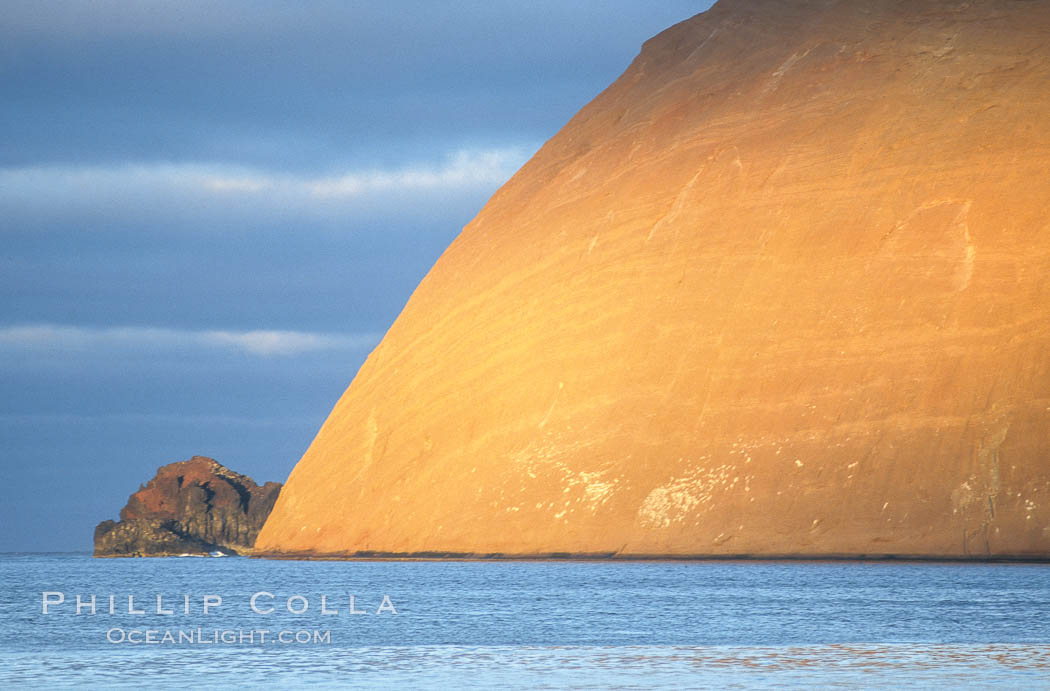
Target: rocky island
{"x":783,"y":289}
{"x":194,"y":507}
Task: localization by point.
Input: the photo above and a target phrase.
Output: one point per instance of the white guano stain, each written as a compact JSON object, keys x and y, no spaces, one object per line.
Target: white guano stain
{"x":785,"y":66}
{"x":677,"y":499}
{"x":680,"y":202}
{"x":554,"y":403}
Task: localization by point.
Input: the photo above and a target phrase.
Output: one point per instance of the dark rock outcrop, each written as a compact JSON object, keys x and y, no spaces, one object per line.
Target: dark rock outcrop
{"x":190,"y":507}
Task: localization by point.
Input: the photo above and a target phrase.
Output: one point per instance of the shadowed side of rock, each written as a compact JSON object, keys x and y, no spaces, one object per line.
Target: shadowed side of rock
{"x":190,"y":507}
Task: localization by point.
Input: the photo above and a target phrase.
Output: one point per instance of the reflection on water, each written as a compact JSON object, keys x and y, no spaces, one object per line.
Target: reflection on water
{"x":598,"y":667}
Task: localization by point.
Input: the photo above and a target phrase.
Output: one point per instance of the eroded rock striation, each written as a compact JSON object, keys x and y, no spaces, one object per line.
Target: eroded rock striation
{"x":782,"y":289}
{"x":190,"y":507}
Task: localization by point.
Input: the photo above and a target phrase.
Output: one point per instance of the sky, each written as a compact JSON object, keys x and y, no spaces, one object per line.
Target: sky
{"x":211,"y":211}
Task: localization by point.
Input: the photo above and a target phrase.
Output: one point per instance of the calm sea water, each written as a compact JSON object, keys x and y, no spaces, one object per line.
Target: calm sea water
{"x":521,"y":624}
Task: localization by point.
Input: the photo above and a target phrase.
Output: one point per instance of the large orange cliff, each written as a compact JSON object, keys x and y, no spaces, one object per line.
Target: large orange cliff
{"x":782,"y":289}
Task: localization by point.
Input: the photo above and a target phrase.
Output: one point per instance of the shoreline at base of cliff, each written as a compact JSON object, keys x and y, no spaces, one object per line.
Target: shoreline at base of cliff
{"x":606,"y":557}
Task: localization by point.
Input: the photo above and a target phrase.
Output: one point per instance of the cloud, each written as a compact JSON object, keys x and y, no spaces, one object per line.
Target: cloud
{"x":57,"y":338}
{"x":291,"y":85}
{"x":47,"y":189}
{"x":267,"y":343}
{"x":463,"y":169}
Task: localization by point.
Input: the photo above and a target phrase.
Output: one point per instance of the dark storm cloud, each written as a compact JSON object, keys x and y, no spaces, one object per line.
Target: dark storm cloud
{"x":306,"y":85}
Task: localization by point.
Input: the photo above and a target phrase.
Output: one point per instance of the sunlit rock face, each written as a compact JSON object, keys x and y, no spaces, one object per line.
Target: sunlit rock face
{"x":783,"y":288}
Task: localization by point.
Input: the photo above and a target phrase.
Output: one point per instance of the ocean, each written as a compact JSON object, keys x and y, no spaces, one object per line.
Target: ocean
{"x":237,"y":622}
